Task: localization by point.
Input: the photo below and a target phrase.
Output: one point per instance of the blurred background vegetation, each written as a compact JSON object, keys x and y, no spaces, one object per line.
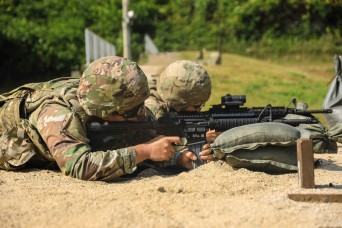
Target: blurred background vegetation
{"x":43,"y":39}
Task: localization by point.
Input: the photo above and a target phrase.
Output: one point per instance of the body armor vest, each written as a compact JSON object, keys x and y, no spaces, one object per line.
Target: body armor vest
{"x":19,"y":139}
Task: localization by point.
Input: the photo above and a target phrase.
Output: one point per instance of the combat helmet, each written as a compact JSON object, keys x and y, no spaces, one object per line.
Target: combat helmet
{"x":184,"y":83}
{"x":112,"y":84}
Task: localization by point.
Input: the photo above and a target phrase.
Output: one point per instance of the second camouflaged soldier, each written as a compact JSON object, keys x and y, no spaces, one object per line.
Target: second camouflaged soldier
{"x":184,"y":85}
{"x":44,"y":123}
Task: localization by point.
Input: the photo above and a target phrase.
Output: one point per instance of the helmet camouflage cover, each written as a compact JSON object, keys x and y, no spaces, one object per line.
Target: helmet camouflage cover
{"x":184,"y":83}
{"x":112,"y":84}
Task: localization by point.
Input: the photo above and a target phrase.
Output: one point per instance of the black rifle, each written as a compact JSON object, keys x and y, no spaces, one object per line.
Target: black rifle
{"x":194,"y":125}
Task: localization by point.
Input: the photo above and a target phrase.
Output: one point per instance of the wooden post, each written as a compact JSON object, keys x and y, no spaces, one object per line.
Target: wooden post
{"x":126,"y":30}
{"x":305,"y":161}
{"x":316,"y":197}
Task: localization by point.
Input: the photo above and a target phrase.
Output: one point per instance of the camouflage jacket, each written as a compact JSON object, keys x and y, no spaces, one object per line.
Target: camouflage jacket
{"x":154,"y":102}
{"x":43,"y":123}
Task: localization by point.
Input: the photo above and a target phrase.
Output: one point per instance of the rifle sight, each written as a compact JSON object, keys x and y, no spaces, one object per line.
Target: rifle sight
{"x":233,"y":100}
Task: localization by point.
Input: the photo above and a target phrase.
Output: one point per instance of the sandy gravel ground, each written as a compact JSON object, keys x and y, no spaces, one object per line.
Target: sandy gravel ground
{"x":213,"y":195}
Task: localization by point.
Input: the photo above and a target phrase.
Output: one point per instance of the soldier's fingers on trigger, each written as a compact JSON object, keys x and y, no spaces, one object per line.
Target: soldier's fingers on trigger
{"x":174,"y":139}
{"x":172,"y":149}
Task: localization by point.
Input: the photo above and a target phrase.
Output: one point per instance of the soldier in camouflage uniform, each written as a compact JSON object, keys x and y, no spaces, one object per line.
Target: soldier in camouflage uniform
{"x":184,"y":85}
{"x":44,"y":123}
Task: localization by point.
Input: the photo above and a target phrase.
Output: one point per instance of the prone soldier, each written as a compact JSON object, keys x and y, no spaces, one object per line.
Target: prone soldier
{"x":45,"y":123}
{"x":184,"y":85}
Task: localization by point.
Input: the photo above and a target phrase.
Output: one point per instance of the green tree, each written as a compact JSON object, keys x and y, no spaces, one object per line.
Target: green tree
{"x":43,"y":39}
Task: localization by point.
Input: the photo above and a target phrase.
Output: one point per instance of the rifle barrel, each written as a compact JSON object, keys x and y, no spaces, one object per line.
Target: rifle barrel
{"x":315,"y":111}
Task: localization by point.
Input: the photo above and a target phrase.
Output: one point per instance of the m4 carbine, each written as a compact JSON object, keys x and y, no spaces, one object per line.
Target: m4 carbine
{"x":194,"y":125}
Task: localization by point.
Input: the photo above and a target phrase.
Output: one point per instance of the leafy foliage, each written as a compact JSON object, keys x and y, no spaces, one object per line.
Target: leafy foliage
{"x":43,"y":39}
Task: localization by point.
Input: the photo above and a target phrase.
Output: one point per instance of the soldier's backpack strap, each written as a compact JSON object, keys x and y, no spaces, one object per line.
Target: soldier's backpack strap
{"x":78,"y":108}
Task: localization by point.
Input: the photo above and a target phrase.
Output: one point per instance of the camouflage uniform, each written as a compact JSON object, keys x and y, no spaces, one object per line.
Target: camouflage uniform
{"x":182,"y":84}
{"x":154,"y":103}
{"x":43,"y":123}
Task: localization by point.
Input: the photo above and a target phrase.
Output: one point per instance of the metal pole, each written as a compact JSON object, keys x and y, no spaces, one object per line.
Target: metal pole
{"x":87,"y":43}
{"x":126,"y":30}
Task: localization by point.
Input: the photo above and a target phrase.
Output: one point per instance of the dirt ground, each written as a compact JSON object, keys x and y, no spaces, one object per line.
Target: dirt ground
{"x":213,"y":195}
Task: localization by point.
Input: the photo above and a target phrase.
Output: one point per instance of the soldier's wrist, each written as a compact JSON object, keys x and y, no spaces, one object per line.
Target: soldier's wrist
{"x":141,"y":153}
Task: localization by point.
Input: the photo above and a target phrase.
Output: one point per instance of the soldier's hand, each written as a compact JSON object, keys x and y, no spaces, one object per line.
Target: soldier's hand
{"x":160,"y":148}
{"x":211,"y":135}
{"x":207,"y":153}
{"x":187,"y":157}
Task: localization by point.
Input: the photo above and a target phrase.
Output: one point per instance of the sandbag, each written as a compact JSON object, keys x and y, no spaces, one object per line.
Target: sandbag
{"x":269,"y":147}
{"x":333,"y":98}
{"x":322,"y":140}
{"x":335,"y":132}
{"x":269,"y":159}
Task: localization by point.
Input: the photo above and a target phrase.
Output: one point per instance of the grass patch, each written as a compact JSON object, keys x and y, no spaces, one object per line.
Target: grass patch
{"x":265,"y":81}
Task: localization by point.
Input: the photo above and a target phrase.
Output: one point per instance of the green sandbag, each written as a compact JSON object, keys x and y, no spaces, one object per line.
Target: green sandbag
{"x":321,"y":140}
{"x":269,"y":147}
{"x":269,"y":159}
{"x":335,"y":132}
